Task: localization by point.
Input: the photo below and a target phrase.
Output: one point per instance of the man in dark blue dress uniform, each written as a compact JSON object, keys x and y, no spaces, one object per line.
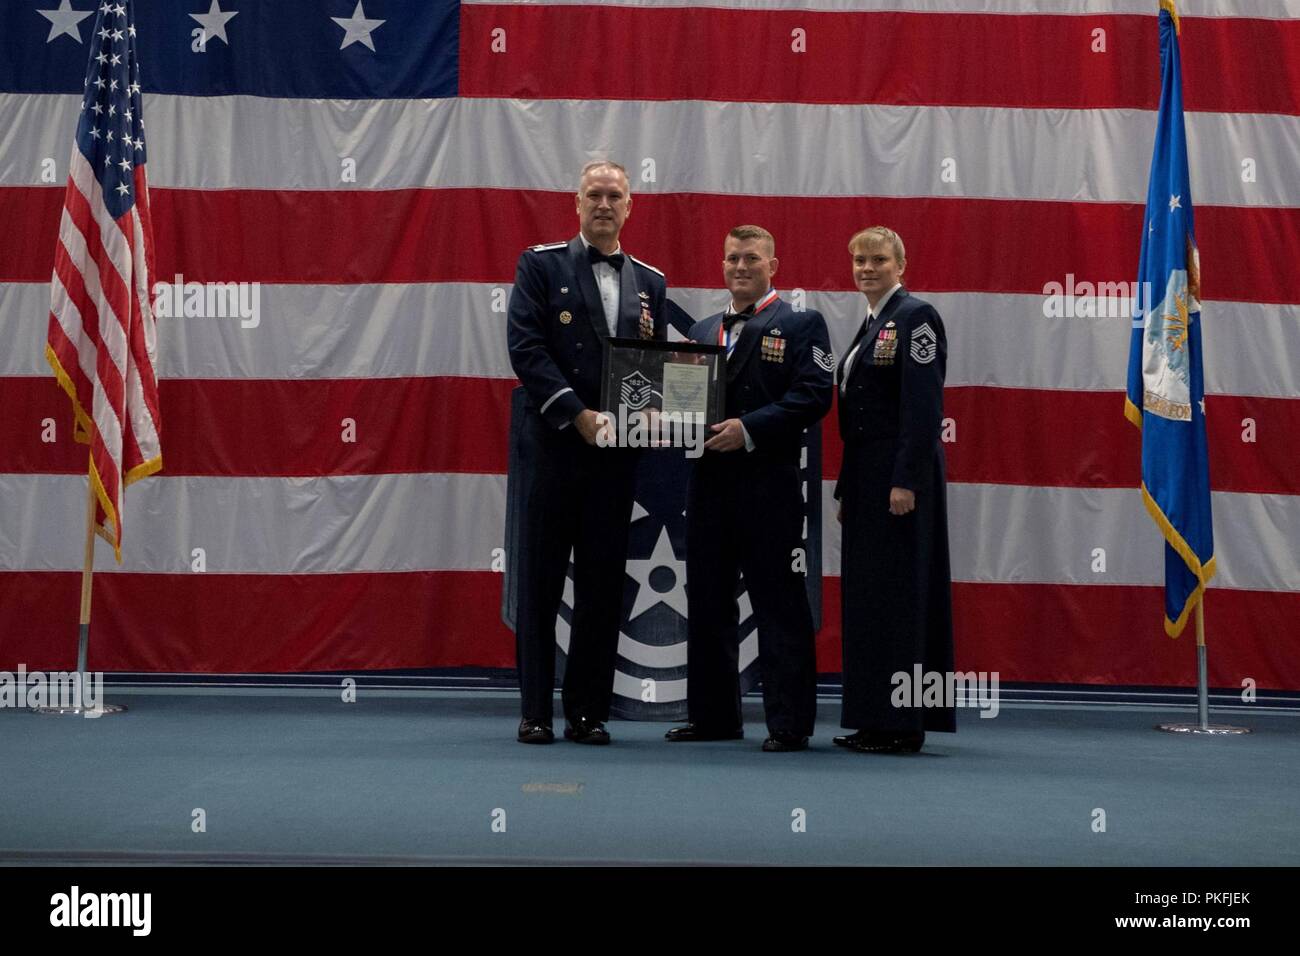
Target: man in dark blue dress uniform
{"x":745,"y":505}
{"x":568,"y":298}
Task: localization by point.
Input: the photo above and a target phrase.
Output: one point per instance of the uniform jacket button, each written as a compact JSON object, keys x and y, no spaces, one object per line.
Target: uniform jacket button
{"x":579,"y":346}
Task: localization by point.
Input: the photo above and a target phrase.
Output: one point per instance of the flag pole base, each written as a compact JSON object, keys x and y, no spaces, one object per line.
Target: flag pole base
{"x":1217,"y":730}
{"x":79,"y":711}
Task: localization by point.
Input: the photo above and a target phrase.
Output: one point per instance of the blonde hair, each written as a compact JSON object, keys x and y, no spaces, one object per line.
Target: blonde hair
{"x":874,"y":234}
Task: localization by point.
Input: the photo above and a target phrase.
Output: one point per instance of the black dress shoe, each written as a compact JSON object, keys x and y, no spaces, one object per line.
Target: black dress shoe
{"x":583,"y":730}
{"x":780,"y":742}
{"x":850,"y":740}
{"x":696,"y":732}
{"x":888,"y":743}
{"x":535,"y":732}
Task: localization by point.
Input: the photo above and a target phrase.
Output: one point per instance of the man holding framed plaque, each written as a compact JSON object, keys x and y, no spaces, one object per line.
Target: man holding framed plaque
{"x":745,"y":505}
{"x":568,"y":298}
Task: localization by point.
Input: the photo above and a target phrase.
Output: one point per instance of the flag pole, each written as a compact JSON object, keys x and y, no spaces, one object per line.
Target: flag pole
{"x":1202,"y":725}
{"x":87,"y":575}
{"x":1202,"y":670}
{"x":77,"y":708}
{"x":118,"y":194}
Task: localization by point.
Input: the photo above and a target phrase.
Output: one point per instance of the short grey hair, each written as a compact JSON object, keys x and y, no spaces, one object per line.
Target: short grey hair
{"x":603,"y":164}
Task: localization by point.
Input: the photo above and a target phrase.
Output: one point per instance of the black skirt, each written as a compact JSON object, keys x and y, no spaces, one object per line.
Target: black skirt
{"x":896,"y":594}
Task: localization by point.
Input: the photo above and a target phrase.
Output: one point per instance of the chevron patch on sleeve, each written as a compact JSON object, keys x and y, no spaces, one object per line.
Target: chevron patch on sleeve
{"x":925,"y":344}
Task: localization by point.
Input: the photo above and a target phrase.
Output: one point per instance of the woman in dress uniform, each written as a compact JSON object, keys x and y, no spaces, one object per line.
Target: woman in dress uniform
{"x":896,"y":589}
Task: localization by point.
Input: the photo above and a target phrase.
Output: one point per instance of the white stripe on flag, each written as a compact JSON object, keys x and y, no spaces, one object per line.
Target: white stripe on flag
{"x":368,"y":331}
{"x":1067,"y":155}
{"x":411,"y":522}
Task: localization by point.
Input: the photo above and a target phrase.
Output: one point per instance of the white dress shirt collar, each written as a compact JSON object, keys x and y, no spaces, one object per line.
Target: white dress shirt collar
{"x":884,"y":301}
{"x":586,"y":244}
{"x":731,"y":306}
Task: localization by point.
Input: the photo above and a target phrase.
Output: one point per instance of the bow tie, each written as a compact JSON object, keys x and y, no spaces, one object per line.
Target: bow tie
{"x":594,"y":255}
{"x":741,"y":316}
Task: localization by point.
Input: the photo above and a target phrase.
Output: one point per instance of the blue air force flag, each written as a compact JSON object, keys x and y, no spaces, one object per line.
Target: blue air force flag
{"x":1166,"y":389}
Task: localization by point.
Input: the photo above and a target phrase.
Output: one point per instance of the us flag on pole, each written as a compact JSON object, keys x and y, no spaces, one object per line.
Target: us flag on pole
{"x":102,"y":335}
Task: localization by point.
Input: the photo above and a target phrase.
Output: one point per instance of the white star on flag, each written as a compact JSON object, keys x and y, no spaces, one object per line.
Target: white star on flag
{"x":1175,"y":202}
{"x":214,"y":22}
{"x":65,"y":20}
{"x":640,"y":570}
{"x":358,"y":29}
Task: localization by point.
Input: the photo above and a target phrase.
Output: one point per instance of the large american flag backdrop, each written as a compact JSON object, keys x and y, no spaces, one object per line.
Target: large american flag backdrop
{"x":333,"y":485}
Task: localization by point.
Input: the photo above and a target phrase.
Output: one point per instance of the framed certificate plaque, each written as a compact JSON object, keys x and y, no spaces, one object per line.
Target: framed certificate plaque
{"x":676,"y":381}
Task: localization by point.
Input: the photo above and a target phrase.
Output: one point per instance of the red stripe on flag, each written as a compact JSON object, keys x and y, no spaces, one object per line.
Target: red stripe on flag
{"x":143,"y":300}
{"x":1026,"y":436}
{"x":289,"y":427}
{"x":223,"y":623}
{"x":1103,"y":634}
{"x":1030,"y":61}
{"x":310,"y":237}
{"x":108,"y":377}
{"x":293,"y":427}
{"x":66,"y":353}
{"x":91,"y":223}
{"x":72,"y":279}
{"x":130,"y":451}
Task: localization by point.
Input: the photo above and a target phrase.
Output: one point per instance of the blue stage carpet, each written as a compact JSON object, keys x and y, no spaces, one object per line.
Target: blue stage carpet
{"x":416,"y":777}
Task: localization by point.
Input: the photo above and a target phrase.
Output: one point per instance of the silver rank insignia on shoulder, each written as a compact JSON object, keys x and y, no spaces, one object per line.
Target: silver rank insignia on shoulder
{"x":544,"y":246}
{"x":566,"y":317}
{"x":925,"y":344}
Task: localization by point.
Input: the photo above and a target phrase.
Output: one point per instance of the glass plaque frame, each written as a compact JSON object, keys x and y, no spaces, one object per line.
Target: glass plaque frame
{"x":662,"y":378}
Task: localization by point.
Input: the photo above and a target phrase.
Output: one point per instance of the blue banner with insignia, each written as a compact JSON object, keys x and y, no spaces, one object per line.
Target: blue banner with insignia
{"x":1166,"y":388}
